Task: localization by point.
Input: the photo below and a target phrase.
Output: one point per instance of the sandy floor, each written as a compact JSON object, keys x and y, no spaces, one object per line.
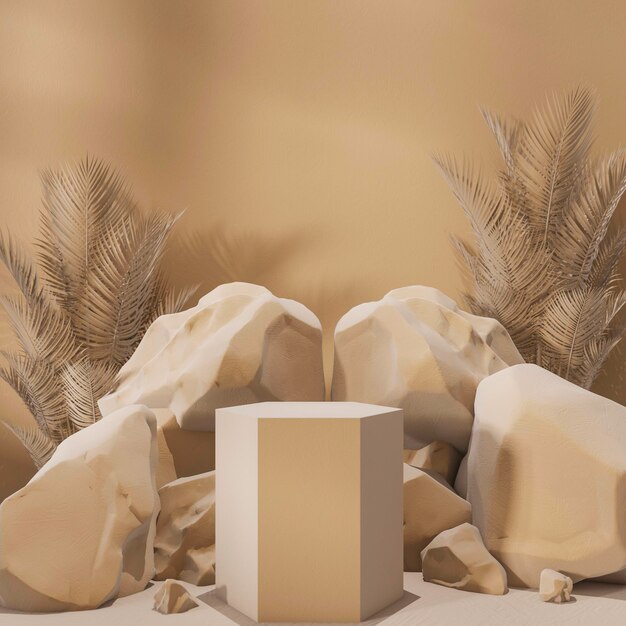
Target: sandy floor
{"x":423,"y":604}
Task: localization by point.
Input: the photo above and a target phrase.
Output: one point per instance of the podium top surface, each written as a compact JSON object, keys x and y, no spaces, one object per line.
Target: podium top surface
{"x":306,"y":410}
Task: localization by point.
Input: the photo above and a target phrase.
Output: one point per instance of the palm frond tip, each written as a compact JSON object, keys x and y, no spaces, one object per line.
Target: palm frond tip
{"x":546,"y":248}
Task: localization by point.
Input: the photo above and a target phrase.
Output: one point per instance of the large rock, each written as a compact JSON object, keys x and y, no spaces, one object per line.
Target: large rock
{"x":415,"y":349}
{"x":547,"y":476}
{"x":172,"y":597}
{"x":458,"y":558}
{"x":184,"y":546}
{"x":430,"y":506}
{"x":81,"y":531}
{"x":239,"y":345}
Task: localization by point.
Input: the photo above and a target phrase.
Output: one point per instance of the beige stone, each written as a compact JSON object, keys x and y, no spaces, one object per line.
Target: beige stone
{"x":430,"y":507}
{"x":438,"y":456}
{"x":184,"y":546}
{"x":547,"y":476}
{"x":458,"y":558}
{"x":172,"y":597}
{"x":240,"y":344}
{"x":415,"y":349}
{"x":81,"y":531}
{"x":554,"y":586}
{"x":181,"y":452}
{"x":309,"y":510}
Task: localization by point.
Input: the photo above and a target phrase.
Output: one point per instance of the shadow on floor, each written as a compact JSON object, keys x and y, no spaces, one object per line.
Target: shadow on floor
{"x":600,"y":590}
{"x":220,"y":606}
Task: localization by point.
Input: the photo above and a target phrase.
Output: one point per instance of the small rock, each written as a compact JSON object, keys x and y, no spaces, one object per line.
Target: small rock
{"x":437,"y":456}
{"x":184,"y":546}
{"x":172,"y":597}
{"x":430,"y":506}
{"x":554,"y":586}
{"x":457,"y":558}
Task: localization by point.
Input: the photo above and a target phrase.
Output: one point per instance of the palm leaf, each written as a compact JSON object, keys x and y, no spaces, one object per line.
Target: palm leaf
{"x":84,"y":383}
{"x":42,"y":331}
{"x":80,"y":202}
{"x":611,"y":251}
{"x":586,"y":222}
{"x":21,"y":269}
{"x":37,"y":384}
{"x":553,"y":145}
{"x":511,"y":309}
{"x":480,"y":200}
{"x":100,"y":285}
{"x":507,"y":133}
{"x":596,"y":353}
{"x":123,"y":284}
{"x":573,"y":318}
{"x":37,"y":443}
{"x":545,"y":259}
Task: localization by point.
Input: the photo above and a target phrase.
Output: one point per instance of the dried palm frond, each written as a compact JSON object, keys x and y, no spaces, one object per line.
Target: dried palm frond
{"x":37,"y":443}
{"x":82,"y":312}
{"x":84,"y":383}
{"x":36,"y":383}
{"x":546,"y":252}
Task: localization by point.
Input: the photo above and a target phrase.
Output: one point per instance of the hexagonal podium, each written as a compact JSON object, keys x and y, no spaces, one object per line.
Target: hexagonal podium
{"x":309,"y":510}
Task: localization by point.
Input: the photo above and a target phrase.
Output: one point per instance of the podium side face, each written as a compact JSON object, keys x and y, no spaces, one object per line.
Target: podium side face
{"x":236,"y":511}
{"x":382,"y":518}
{"x":324,"y":541}
{"x":309,"y":520}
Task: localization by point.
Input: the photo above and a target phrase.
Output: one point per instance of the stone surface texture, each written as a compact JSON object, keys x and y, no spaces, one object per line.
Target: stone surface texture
{"x":555,"y":587}
{"x":458,"y":558}
{"x":239,"y":344}
{"x":172,"y":597}
{"x":81,"y":531}
{"x":417,"y":350}
{"x":430,"y":507}
{"x":547,"y":476}
{"x":438,"y":456}
{"x":184,"y":546}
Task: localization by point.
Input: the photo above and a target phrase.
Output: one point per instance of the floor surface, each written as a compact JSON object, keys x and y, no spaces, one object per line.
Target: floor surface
{"x":423,"y":604}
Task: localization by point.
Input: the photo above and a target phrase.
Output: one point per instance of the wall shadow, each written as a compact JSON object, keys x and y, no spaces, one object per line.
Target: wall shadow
{"x":223,"y":254}
{"x":600,"y":590}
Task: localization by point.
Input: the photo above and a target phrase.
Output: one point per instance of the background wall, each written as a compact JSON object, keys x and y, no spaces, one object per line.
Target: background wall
{"x":298,"y":135}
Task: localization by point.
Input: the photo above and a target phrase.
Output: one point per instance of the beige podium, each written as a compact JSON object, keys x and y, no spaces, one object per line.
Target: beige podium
{"x":309,"y":510}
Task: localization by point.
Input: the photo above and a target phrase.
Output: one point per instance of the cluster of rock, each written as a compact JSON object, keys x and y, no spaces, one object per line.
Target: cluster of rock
{"x":512,"y":476}
{"x":84,"y":530}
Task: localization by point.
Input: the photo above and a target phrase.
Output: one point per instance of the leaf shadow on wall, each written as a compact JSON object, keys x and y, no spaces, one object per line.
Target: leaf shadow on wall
{"x":222,"y":255}
{"x":330,"y":302}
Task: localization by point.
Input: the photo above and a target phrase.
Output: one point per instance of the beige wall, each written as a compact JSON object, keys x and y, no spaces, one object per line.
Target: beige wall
{"x":297,"y":134}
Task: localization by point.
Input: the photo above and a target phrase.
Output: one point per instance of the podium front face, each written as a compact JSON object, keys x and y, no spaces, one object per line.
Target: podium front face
{"x":309,"y":510}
